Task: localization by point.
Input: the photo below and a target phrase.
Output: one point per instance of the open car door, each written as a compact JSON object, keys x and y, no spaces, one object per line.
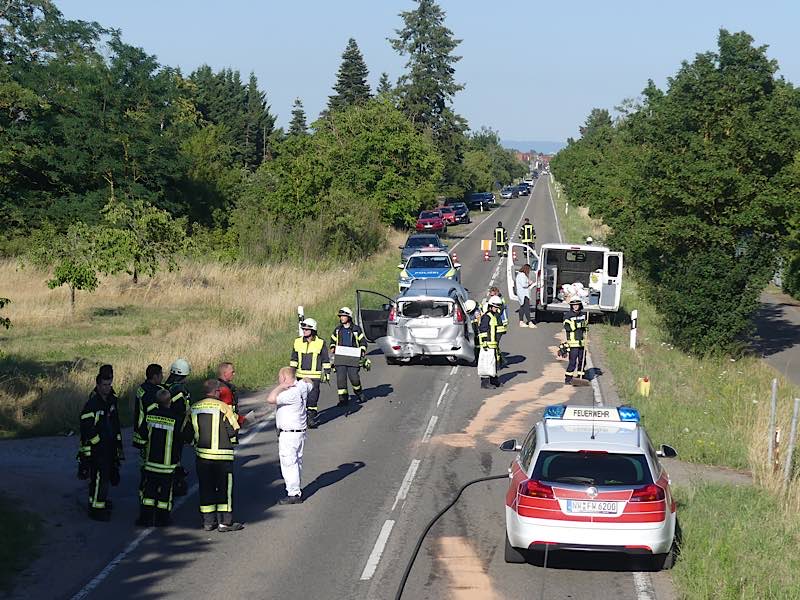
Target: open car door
{"x":518,"y":255}
{"x":611,"y":291}
{"x":372,"y":313}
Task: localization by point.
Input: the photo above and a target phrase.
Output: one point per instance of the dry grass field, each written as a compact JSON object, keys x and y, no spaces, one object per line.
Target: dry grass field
{"x":206,"y":312}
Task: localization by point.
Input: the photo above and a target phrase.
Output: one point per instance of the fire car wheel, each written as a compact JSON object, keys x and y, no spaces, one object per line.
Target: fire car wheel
{"x":513,"y":555}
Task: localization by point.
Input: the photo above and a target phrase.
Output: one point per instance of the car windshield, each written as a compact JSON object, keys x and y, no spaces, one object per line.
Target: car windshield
{"x":590,"y":468}
{"x":428,"y":262}
{"x":459,"y":206}
{"x":507,"y":189}
{"x":429,"y":215}
{"x":422,"y":240}
{"x":426,"y":308}
{"x":446,"y":209}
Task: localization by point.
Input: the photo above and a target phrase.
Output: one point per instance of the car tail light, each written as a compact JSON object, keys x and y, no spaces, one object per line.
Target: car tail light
{"x":393,"y":314}
{"x":648,"y":493}
{"x":536,"y":489}
{"x":459,"y":316}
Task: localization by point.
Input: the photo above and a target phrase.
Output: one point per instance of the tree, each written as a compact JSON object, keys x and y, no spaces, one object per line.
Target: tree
{"x":259,"y":123}
{"x":147,"y":238}
{"x":298,"y":125}
{"x":351,"y":81}
{"x":5,"y":321}
{"x":384,"y":85}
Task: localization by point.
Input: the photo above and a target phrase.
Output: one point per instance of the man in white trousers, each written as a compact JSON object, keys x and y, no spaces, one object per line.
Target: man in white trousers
{"x":289,"y":396}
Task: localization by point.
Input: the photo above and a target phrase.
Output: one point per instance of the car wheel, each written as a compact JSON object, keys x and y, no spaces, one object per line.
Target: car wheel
{"x":664,"y":562}
{"x":513,"y":555}
{"x":453,"y":360}
{"x":392,"y":361}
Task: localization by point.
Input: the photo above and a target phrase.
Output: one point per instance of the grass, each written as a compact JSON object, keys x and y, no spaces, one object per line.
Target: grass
{"x":206,"y":312}
{"x":735,"y":545}
{"x":20,"y":531}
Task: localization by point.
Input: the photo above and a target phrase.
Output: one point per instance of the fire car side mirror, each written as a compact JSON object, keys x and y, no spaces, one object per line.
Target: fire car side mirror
{"x":667,"y":451}
{"x":510,"y":446}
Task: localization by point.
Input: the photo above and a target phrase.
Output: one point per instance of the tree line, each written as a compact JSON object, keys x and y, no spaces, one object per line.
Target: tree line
{"x":699,"y":184}
{"x":111,"y":162}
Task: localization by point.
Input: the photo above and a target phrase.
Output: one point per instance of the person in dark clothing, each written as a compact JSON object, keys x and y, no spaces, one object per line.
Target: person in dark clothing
{"x":146,"y":399}
{"x":575,"y":326}
{"x":101,"y":451}
{"x":166,"y":430}
{"x":180,"y":401}
{"x":352,"y":346}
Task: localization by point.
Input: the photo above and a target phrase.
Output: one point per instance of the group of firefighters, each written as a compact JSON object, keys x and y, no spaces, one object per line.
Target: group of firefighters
{"x":165,"y":418}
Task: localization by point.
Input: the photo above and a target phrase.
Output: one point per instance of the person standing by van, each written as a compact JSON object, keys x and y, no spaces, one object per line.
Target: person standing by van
{"x":575,"y":326}
{"x":523,"y":285}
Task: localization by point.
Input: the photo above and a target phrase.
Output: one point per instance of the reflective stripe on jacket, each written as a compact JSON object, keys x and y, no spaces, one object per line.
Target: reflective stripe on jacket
{"x":500,"y":236}
{"x":487,"y":330}
{"x":575,"y":324}
{"x":310,"y":358}
{"x":215,"y":429}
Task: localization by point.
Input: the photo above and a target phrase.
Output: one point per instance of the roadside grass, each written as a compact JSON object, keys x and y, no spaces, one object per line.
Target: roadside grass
{"x":206,"y":312}
{"x":20,"y":532}
{"x":735,"y":545}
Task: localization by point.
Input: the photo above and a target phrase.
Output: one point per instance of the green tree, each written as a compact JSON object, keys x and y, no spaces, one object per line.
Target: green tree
{"x":149,"y":238}
{"x":298,"y":124}
{"x":351,"y":81}
{"x":384,"y":85}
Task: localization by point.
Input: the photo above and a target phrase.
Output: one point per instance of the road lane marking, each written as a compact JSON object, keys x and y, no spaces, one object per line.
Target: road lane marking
{"x":406,"y":485}
{"x":444,"y":391}
{"x":643,"y":586}
{"x":454,"y":370}
{"x":377,"y":551}
{"x":109,"y":568}
{"x":429,"y":431}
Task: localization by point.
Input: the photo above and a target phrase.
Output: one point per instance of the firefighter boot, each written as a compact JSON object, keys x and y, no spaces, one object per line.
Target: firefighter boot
{"x":210,"y":521}
{"x":99,"y":514}
{"x":312,"y":416}
{"x":163,"y":518}
{"x":485,"y":385}
{"x":146,"y":516}
{"x":226,"y":522}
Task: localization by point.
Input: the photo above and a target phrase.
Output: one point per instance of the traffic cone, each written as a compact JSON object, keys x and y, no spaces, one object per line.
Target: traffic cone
{"x":485,"y":256}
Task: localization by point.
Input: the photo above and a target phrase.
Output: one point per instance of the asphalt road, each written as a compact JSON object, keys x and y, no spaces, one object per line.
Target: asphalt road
{"x":372,"y":479}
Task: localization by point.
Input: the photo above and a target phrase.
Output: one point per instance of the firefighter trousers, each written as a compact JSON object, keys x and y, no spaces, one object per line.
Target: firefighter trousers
{"x":313,"y":395}
{"x":157,"y":490}
{"x":99,"y":482}
{"x":343,"y":373}
{"x":215,"y":482}
{"x":575,"y":366}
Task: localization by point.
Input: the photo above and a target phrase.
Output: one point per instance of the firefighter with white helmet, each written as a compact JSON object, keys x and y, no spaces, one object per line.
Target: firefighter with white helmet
{"x":348,"y":346}
{"x":488,"y":336}
{"x":310,"y":358}
{"x":575,"y":326}
{"x":181,"y":400}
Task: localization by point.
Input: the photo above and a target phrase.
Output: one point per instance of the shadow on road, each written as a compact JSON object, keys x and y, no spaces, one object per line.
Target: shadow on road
{"x":330,"y":477}
{"x":506,"y":377}
{"x":774,"y":332}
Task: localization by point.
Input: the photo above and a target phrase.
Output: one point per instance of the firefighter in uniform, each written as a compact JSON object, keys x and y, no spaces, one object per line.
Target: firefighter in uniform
{"x":502,"y":327}
{"x":101,"y":446}
{"x":527,"y":233}
{"x":487,"y":335}
{"x":348,"y":334}
{"x":181,"y":400}
{"x":501,"y":239}
{"x":310,"y":358}
{"x":145,"y":400}
{"x":215,"y":435}
{"x":575,"y":326}
{"x":166,"y":431}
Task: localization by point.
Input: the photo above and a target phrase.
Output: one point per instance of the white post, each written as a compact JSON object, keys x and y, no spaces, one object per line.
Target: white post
{"x":300,"y":316}
{"x":566,"y":208}
{"x":634,"y":327}
{"x":787,"y":468}
{"x":771,"y":430}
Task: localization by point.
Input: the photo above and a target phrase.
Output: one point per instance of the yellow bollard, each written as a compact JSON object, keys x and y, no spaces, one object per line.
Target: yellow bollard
{"x":643,"y":386}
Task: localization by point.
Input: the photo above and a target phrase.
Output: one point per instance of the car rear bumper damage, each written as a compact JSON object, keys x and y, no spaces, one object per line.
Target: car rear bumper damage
{"x":395,"y":348}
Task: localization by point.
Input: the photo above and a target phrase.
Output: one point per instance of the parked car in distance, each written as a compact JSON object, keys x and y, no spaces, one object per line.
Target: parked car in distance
{"x":462,"y":212}
{"x":476,"y":200}
{"x":431,"y":220}
{"x":529,"y":180}
{"x":448,"y":214}
{"x":510,"y":191}
{"x":418,"y":241}
{"x":523,"y":189}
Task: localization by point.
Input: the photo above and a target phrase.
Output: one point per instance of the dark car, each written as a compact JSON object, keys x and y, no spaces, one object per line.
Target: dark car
{"x":524,"y":189}
{"x":462,"y":212}
{"x":478,"y":200}
{"x":418,"y":241}
{"x":431,"y":220}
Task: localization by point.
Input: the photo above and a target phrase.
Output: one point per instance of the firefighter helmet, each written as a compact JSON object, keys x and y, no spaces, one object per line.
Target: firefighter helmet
{"x":308,"y":324}
{"x":345,"y":312}
{"x":495,"y":301}
{"x":180,"y":367}
{"x":470,"y":305}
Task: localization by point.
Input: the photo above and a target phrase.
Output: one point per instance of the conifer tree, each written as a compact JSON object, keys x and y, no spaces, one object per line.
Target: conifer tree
{"x":351,"y":81}
{"x":384,"y":85}
{"x":298,"y":125}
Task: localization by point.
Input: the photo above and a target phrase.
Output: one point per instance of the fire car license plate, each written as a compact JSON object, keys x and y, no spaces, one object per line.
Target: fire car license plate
{"x":426,"y":332}
{"x":591,"y":507}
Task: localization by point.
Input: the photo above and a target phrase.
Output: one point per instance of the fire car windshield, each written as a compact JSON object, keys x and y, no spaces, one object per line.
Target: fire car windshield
{"x":592,"y":468}
{"x":428,"y":262}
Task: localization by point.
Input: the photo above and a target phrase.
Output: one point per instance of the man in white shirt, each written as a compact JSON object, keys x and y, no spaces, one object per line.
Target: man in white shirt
{"x":289,"y":396}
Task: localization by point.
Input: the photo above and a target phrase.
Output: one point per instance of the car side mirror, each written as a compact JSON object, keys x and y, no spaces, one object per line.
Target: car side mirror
{"x":456,"y":265}
{"x":666,"y":451}
{"x":510,"y":446}
{"x":401,"y":247}
{"x":400,"y":266}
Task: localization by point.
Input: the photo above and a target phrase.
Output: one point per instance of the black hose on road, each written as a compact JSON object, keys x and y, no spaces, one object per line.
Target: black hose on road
{"x":421,"y":539}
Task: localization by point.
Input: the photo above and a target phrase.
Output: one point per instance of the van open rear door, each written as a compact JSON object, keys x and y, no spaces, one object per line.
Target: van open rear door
{"x":611,"y":291}
{"x":524,"y":255}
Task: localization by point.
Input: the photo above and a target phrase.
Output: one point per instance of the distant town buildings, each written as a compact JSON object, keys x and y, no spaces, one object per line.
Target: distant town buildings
{"x":536,"y":161}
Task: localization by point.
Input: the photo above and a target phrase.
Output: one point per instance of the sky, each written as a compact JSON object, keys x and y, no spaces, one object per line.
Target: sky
{"x":531,"y":70}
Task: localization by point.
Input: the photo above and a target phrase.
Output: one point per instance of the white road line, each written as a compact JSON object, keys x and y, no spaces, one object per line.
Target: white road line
{"x":441,"y":395}
{"x":454,"y":370}
{"x":377,"y":551}
{"x":429,"y":431}
{"x":643,"y":586}
{"x":406,"y":485}
{"x":107,"y":570}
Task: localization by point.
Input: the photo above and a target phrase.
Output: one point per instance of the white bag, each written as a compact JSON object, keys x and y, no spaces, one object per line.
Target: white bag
{"x":487,"y":365}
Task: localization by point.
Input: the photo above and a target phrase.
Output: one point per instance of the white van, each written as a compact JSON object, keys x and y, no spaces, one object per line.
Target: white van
{"x":596,"y":268}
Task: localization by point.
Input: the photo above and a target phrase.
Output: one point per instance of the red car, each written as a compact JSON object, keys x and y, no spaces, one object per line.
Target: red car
{"x":448,"y":214}
{"x":431,"y":220}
